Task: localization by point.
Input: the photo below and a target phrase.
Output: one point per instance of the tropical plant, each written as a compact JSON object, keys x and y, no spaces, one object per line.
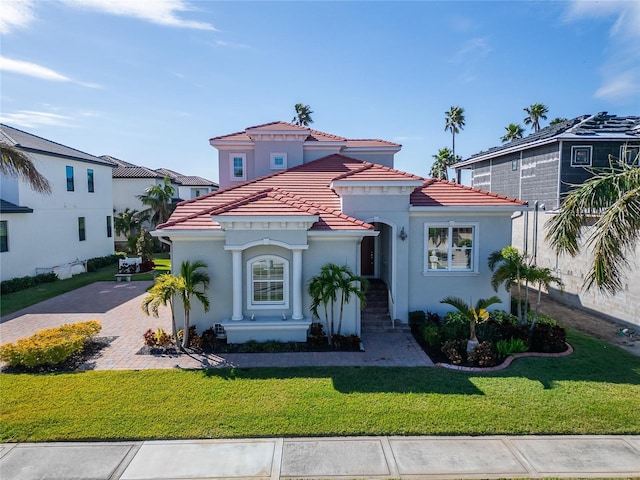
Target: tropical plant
{"x":454,"y":122}
{"x":514,"y":131}
{"x":128,"y":222}
{"x":557,"y":120}
{"x":163,"y":293}
{"x":159,"y":199}
{"x":335,"y":283}
{"x":542,"y":277}
{"x":443,"y":160}
{"x":612,"y":197}
{"x":535,"y":112}
{"x":144,"y":245}
{"x":475,"y":314}
{"x":17,"y":163}
{"x":195,"y":284}
{"x":509,"y":267}
{"x":303,"y":115}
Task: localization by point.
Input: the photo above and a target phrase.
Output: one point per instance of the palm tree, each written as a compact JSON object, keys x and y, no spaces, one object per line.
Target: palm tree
{"x":17,"y":163}
{"x":195,"y":284}
{"x":128,"y":222}
{"x":443,"y":160}
{"x":514,"y":130}
{"x":542,"y":277}
{"x":303,"y":115}
{"x":509,"y":267}
{"x":535,"y":112}
{"x":557,"y":120}
{"x":163,"y":293}
{"x":475,"y":314}
{"x":454,"y":122}
{"x":612,"y":196}
{"x":335,"y":282}
{"x":159,"y":200}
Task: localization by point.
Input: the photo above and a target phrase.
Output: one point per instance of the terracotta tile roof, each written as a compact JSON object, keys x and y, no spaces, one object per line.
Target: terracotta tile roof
{"x":441,"y":193}
{"x":370,"y":142}
{"x":306,"y":190}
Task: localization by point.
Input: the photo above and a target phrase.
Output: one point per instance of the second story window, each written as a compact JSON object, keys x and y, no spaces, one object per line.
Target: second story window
{"x":278,"y":161}
{"x":90,"y":186}
{"x":581,"y":156}
{"x":238,"y":166}
{"x":630,"y":154}
{"x":70,"y":185}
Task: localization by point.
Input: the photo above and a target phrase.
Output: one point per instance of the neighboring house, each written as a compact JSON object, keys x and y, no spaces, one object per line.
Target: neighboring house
{"x":40,"y":232}
{"x":188,"y":186}
{"x":542,"y":168}
{"x":130,"y":181}
{"x":264,"y":238}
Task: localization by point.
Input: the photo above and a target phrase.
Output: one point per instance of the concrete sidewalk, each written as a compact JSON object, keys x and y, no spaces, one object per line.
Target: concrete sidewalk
{"x":327,"y":458}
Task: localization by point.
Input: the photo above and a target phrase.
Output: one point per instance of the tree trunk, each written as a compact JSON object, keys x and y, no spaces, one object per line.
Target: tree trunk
{"x":341,"y":310}
{"x":185,"y":333}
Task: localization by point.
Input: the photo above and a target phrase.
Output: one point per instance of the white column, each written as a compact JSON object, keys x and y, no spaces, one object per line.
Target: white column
{"x":297,"y":285}
{"x":237,"y":285}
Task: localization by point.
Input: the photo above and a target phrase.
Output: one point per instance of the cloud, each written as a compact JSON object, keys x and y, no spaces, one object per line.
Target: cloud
{"x":474,"y":48}
{"x":15,"y":14}
{"x":38,"y":71}
{"x":160,"y":12}
{"x":34,"y":119}
{"x":223,"y":43}
{"x":620,"y":73}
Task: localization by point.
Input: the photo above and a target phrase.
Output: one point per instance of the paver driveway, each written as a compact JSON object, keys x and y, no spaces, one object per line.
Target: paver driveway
{"x":117,"y":307}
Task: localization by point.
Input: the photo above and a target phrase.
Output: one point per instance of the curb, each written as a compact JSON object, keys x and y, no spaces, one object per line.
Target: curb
{"x":507,"y":361}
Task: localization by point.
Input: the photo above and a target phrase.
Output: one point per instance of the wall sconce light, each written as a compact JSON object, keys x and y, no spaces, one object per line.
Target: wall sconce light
{"x":403,"y":234}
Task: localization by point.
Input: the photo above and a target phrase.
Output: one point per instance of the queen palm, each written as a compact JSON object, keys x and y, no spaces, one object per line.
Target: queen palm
{"x":612,"y":196}
{"x":195,"y":284}
{"x":514,"y":131}
{"x":542,"y":277}
{"x":475,"y":314}
{"x":535,"y":112}
{"x":454,"y":122}
{"x":159,"y":200}
{"x":162,"y":293}
{"x":443,"y":160}
{"x":303,"y":115}
{"x":509,"y":267}
{"x":17,"y":163}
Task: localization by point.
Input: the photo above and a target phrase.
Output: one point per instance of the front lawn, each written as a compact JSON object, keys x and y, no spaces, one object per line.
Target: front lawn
{"x":596,"y":390}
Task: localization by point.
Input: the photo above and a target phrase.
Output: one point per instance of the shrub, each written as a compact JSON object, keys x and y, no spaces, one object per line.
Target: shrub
{"x":431,"y":335}
{"x":433,"y":318}
{"x":51,"y":346}
{"x":348,"y":342}
{"x":511,"y":346}
{"x":22,"y":283}
{"x":548,"y":338}
{"x":159,"y":338}
{"x":194,"y":339}
{"x":455,"y":327}
{"x":417,"y":320}
{"x":208,"y":339}
{"x":502,"y":317}
{"x":514,"y":305}
{"x":316,"y":336}
{"x":484,"y":355}
{"x":454,"y":350}
{"x":96,"y":263}
{"x":489,"y":331}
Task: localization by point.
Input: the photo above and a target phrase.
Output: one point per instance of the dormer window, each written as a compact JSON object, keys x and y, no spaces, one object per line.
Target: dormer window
{"x":238,"y":166}
{"x":278,"y":161}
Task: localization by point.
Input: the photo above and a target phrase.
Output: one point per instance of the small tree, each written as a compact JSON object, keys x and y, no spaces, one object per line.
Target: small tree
{"x":195,"y":284}
{"x":303,"y":115}
{"x":542,"y":277}
{"x":475,"y":315}
{"x":510,"y":268}
{"x":162,"y":293}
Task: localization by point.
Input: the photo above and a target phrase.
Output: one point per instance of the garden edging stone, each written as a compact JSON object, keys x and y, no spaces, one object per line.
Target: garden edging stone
{"x":507,"y":361}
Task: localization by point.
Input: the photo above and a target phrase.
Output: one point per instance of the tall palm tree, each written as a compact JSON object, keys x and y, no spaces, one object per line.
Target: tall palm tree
{"x":475,"y":314}
{"x":303,"y":115}
{"x":159,"y":199}
{"x":542,"y":277}
{"x":514,"y":131}
{"x":454,"y":122}
{"x":612,"y":196}
{"x":509,"y":267}
{"x":535,"y":112}
{"x":162,"y":293}
{"x":195,"y":284}
{"x":128,"y":222}
{"x":443,"y":160}
{"x":17,"y":163}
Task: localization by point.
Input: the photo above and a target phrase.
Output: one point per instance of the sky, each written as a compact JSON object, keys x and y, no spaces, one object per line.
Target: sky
{"x":151,"y":81}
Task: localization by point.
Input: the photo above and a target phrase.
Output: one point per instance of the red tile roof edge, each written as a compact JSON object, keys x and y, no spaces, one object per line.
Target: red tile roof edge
{"x":368,"y":165}
{"x":431,"y":181}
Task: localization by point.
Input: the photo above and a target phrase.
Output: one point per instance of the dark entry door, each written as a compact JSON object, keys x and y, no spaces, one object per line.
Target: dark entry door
{"x":367,"y":259}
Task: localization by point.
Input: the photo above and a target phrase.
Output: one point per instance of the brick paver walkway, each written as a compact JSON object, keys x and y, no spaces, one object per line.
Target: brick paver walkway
{"x":117,"y":307}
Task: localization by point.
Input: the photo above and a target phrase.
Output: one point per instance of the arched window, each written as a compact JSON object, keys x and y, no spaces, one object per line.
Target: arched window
{"x":268,"y":282}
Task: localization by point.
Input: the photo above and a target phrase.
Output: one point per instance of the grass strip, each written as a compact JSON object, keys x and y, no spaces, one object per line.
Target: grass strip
{"x":596,"y":390}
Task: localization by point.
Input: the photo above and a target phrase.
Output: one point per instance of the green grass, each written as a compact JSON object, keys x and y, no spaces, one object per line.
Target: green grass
{"x":596,"y":390}
{"x":12,"y":302}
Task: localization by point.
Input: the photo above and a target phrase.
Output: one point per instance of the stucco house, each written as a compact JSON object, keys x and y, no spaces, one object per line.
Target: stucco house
{"x":294,"y":199}
{"x":57,"y":232}
{"x":540,"y":169}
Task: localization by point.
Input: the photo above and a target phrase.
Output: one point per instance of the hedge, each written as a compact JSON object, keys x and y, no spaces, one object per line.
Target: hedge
{"x":22,"y":283}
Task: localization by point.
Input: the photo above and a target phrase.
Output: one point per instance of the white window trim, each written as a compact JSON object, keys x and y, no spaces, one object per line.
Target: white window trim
{"x":284,"y":161}
{"x":232,"y":156}
{"x":576,"y":147}
{"x":284,"y":305}
{"x":474,"y":267}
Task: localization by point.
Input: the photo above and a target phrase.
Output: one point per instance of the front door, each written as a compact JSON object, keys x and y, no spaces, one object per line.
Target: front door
{"x":367,"y":258}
